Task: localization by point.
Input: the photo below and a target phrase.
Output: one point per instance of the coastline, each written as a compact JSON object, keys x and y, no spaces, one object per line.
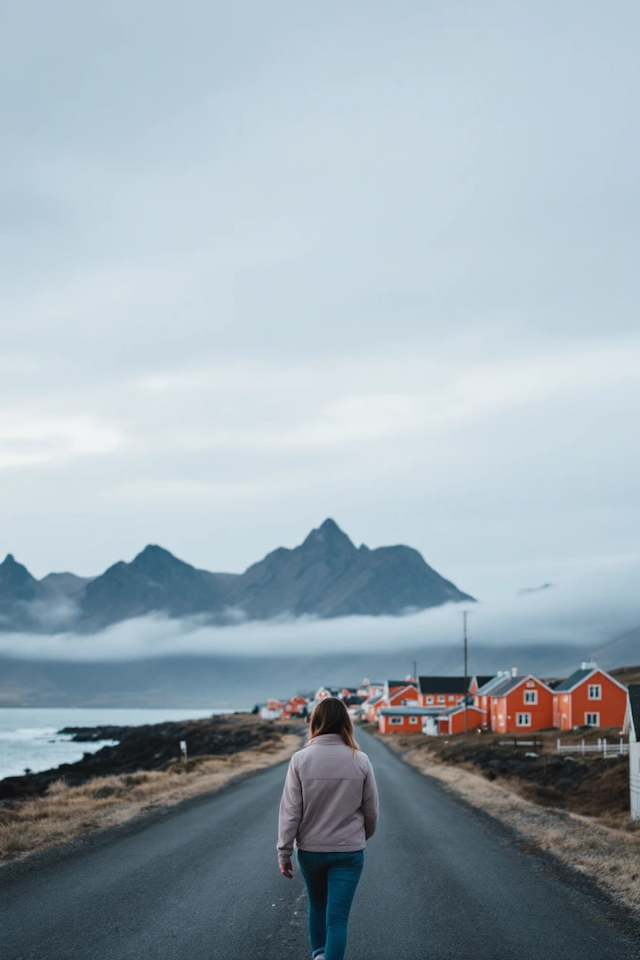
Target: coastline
{"x":61,"y":811}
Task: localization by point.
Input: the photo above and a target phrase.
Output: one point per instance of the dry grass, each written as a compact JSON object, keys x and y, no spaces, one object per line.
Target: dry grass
{"x":609,"y":856}
{"x":66,"y":813}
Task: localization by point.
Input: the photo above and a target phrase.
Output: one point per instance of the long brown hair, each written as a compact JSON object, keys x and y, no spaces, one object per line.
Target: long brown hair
{"x":330,"y":715}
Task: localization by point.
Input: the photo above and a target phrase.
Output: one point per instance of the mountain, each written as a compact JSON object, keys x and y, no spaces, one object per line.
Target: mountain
{"x":326,"y":576}
{"x":329,"y":577}
{"x":155,"y":581}
{"x":18,"y":592}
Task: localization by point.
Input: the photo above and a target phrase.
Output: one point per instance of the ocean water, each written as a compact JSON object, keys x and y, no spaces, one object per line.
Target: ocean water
{"x":29,"y":737}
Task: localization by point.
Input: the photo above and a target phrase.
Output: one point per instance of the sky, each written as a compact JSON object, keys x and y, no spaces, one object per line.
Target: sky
{"x":265,"y":263}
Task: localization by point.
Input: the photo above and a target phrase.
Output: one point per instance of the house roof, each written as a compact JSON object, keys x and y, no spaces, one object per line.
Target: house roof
{"x":459,"y":708}
{"x":506,"y":686}
{"x":634,"y":706}
{"x":443,"y":684}
{"x":375,"y":699}
{"x":409,"y":711}
{"x":401,"y":683}
{"x":491,"y":684}
{"x":576,"y":677}
{"x":354,"y":700}
{"x":481,"y":681}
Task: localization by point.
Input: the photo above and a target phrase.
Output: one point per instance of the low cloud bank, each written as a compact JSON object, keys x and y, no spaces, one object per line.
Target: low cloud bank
{"x":589,"y":613}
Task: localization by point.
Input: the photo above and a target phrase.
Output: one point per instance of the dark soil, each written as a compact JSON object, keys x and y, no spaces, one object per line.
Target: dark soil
{"x":151,"y":747}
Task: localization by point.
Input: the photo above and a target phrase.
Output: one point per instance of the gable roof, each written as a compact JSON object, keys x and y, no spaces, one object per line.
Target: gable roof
{"x":443,"y":684}
{"x":375,"y":699}
{"x":401,"y":683}
{"x":634,"y":706}
{"x":510,"y":683}
{"x":576,"y":677}
{"x":579,"y":676}
{"x":459,"y":708}
{"x":491,"y":684}
{"x":481,"y":681}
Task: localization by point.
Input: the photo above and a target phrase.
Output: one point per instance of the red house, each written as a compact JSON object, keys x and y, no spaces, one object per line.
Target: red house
{"x":521,"y":704}
{"x":590,"y":697}
{"x":452,"y":721}
{"x":405,"y":719}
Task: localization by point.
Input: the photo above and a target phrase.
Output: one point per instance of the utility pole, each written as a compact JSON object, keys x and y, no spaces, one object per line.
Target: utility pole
{"x":415,"y":670}
{"x":466,"y":671}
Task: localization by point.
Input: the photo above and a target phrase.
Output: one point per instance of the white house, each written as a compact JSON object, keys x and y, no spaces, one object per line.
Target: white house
{"x":632,"y":727}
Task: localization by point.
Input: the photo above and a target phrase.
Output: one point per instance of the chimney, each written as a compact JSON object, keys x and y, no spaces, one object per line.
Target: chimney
{"x":514,"y":672}
{"x":588,"y":665}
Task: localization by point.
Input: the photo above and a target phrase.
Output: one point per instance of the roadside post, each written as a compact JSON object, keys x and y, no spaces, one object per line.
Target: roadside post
{"x":183,"y":750}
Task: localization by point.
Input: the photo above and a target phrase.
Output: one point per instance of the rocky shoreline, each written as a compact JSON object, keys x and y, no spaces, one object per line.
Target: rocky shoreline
{"x":151,"y":747}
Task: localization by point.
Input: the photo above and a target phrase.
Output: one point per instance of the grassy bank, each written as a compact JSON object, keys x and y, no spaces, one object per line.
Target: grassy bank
{"x":65,"y":812}
{"x":604,"y":845}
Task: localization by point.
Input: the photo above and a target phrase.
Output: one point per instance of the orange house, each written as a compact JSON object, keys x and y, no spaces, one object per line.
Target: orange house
{"x":452,"y":721}
{"x":295,"y":707}
{"x":405,"y":719}
{"x":590,"y":697}
{"x":521,"y":704}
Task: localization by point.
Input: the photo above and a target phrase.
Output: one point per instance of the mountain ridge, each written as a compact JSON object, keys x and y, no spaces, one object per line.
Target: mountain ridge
{"x":324,"y":576}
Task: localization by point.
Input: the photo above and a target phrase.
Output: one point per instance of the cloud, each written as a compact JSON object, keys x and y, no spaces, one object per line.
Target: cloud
{"x":588,"y":614}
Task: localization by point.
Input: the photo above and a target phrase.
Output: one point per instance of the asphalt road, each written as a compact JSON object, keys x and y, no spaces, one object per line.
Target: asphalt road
{"x":201,"y":883}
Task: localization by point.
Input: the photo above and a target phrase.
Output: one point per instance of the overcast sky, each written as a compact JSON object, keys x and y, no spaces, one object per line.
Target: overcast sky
{"x":268,"y":262}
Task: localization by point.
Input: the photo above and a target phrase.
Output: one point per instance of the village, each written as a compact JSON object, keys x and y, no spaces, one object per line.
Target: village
{"x":507,"y":703}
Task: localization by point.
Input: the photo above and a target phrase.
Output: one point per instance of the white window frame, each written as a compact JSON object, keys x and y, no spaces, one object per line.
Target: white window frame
{"x":413,"y":719}
{"x":441,"y":699}
{"x":588,"y":723}
{"x":595,"y":687}
{"x":520,"y":722}
{"x":429,"y":699}
{"x":451,"y":698}
{"x":395,"y":721}
{"x":531,"y":697}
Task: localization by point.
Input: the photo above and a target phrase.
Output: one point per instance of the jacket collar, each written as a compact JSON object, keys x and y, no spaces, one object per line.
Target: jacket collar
{"x":326,"y":740}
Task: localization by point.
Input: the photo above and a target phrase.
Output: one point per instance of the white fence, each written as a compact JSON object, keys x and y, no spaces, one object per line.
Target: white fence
{"x":602,"y":746}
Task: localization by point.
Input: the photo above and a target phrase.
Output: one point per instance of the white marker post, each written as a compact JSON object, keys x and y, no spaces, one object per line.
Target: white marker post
{"x":183,"y":750}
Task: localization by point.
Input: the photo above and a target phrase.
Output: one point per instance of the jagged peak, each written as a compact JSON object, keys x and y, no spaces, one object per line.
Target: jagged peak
{"x":329,"y":533}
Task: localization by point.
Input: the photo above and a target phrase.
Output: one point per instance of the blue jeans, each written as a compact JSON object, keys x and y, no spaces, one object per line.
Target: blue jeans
{"x":331,"y":880}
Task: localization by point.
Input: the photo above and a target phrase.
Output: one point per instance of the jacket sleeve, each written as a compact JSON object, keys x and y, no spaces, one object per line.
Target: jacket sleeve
{"x":370,"y":803}
{"x":290,"y":812}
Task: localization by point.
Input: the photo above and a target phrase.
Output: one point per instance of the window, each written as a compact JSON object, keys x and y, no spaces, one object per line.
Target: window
{"x":451,"y":698}
{"x":531,"y":696}
{"x":429,"y":699}
{"x":440,"y":699}
{"x":523,"y":719}
{"x":395,"y":720}
{"x":592,"y":719}
{"x":413,"y":719}
{"x":595,"y":691}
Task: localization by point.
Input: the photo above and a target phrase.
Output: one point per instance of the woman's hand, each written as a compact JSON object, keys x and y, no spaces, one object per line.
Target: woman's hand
{"x":286,"y":869}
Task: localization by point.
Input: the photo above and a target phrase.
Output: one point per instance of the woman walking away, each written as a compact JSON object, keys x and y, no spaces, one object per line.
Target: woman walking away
{"x":330,"y":808}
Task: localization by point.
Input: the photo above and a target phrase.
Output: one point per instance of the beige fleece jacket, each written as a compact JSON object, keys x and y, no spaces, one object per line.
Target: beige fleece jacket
{"x":330,"y":799}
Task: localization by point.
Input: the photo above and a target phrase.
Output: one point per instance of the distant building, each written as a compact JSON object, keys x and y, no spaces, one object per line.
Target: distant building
{"x":453,"y":721}
{"x":520,"y":704}
{"x":590,"y":697}
{"x":405,"y":719}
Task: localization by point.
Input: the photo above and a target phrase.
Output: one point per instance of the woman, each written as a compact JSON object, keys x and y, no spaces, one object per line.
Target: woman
{"x":330,"y":808}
